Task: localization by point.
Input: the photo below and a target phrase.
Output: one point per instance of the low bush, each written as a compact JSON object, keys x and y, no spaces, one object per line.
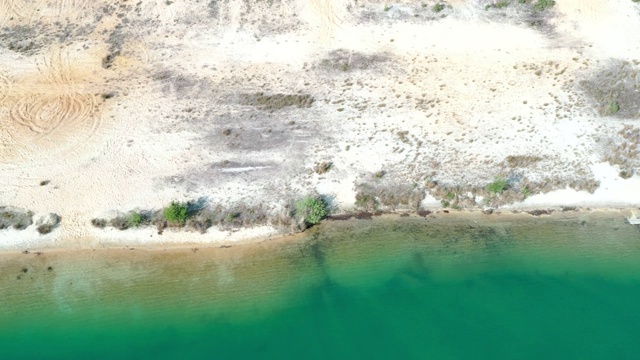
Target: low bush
{"x":99,"y":223}
{"x":135,"y":219}
{"x":366,"y":201}
{"x":176,"y":213}
{"x":45,"y":228}
{"x":497,"y":186}
{"x":543,"y":4}
{"x":311,"y":209}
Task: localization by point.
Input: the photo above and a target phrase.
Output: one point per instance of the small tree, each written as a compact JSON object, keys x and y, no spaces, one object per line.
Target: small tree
{"x":311,"y":209}
{"x":176,"y":213}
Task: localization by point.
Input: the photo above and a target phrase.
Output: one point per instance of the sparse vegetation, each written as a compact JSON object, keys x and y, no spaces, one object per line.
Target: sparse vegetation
{"x":311,"y":209}
{"x":625,"y":174}
{"x":623,"y":148}
{"x":47,"y":223}
{"x":438,"y":7}
{"x":497,"y":186}
{"x":231,"y":217}
{"x":391,"y":196}
{"x":346,"y":60}
{"x":543,"y":4}
{"x":365,"y":201}
{"x":323,"y":167}
{"x":99,"y":223}
{"x":521,"y":160}
{"x":502,"y":4}
{"x":44,"y":228}
{"x":614,"y":88}
{"x":16,"y":218}
{"x":119,"y":222}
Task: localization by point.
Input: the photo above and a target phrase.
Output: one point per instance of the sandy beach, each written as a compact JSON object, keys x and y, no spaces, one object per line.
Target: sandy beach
{"x":112,"y":106}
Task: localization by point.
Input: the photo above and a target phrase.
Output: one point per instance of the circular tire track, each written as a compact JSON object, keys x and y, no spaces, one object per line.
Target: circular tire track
{"x":52,"y":118}
{"x":55,"y":123}
{"x":47,"y":114}
{"x":34,"y":10}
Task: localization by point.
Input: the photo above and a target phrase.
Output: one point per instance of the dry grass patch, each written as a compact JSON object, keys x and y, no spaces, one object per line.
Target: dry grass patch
{"x":521,"y":161}
{"x":372,"y":197}
{"x":277,"y":101}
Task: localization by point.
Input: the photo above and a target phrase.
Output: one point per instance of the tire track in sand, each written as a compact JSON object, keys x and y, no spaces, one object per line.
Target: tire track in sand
{"x":21,"y":9}
{"x":53,"y":115}
{"x":68,"y":9}
{"x":328,"y":15}
{"x":31,"y":11}
{"x":589,"y":11}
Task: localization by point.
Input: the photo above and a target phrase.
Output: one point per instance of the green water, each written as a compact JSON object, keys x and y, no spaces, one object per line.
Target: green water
{"x":400,"y":288}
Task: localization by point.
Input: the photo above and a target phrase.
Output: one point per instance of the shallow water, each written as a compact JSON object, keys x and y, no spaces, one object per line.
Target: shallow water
{"x":445,"y":288}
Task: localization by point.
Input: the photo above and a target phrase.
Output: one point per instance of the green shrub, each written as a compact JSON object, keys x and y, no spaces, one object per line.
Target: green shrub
{"x":497,"y":186}
{"x":135,"y":219}
{"x":543,"y":4}
{"x":312,"y":209}
{"x":501,"y":4}
{"x":438,"y":7}
{"x":613,"y":108}
{"x":176,"y":213}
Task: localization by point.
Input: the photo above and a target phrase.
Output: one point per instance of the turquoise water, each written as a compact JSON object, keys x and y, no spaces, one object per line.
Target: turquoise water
{"x":399,"y":288}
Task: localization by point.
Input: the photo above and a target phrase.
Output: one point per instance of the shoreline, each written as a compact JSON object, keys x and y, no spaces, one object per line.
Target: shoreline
{"x":244,"y":239}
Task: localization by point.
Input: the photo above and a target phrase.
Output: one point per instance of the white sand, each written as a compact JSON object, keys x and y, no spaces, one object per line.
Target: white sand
{"x":183,"y":67}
